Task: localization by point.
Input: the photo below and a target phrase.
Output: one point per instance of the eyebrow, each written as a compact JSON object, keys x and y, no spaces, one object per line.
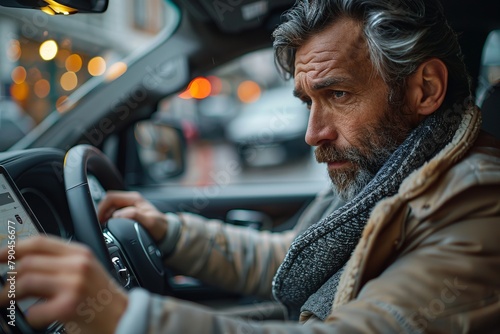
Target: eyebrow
{"x":325,"y":83}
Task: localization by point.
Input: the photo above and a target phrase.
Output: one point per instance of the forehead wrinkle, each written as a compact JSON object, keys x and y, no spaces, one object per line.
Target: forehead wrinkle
{"x":315,"y":58}
{"x":321,"y":62}
{"x":318,"y":68}
{"x":341,"y":52}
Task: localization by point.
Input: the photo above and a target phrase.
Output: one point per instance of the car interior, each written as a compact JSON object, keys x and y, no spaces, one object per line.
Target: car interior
{"x":64,"y":165}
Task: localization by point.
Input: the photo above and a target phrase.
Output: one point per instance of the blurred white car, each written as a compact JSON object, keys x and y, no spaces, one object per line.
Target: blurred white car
{"x":270,"y":131}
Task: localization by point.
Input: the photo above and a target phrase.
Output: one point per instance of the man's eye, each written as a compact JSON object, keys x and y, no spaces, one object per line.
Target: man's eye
{"x":337,"y":94}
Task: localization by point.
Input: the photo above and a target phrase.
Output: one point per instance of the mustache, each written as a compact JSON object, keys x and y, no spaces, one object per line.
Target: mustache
{"x":370,"y":162}
{"x":329,"y":153}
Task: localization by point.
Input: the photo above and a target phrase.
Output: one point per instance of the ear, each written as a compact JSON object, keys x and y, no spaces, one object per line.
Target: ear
{"x":427,"y":87}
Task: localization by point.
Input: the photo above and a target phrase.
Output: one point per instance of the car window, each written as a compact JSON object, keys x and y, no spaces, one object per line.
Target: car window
{"x":242,"y":125}
{"x":47,"y":58}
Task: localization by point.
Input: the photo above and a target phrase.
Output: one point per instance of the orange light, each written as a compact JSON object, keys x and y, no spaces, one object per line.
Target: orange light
{"x":20,"y":91}
{"x":61,"y":105}
{"x":249,"y":91}
{"x":185,"y":95}
{"x":199,"y":88}
{"x":216,"y":83}
{"x":69,"y":81}
{"x":14,"y":50}
{"x":96,"y":66}
{"x":42,"y":88}
{"x":116,"y":70}
{"x":73,"y":63}
{"x":18,"y":75}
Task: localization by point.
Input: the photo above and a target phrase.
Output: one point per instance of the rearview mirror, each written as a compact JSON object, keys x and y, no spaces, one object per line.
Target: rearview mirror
{"x":59,"y":7}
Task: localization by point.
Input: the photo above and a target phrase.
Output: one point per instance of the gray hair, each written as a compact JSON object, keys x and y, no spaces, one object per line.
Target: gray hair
{"x":400,"y":34}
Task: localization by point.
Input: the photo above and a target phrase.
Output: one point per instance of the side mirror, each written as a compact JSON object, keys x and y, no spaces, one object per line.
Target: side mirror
{"x":161,"y":148}
{"x":59,"y":7}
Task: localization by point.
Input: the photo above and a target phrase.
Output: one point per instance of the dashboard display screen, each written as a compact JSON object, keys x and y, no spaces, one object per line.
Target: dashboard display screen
{"x":17,"y":222}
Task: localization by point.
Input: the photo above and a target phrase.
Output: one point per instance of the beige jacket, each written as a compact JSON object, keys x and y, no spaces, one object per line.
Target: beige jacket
{"x":428,"y":260}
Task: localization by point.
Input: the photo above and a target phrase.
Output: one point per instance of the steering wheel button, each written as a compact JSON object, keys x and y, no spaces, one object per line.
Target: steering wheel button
{"x":122,"y":271}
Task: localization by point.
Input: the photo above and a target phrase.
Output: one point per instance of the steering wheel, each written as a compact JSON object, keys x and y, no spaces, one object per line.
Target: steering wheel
{"x":123,"y":246}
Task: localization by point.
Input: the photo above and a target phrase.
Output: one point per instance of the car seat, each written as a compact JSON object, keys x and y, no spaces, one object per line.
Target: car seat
{"x":490,"y":109}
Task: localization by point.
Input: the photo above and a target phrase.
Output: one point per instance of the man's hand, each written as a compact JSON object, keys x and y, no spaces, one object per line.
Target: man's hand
{"x":76,"y":288}
{"x":131,"y":205}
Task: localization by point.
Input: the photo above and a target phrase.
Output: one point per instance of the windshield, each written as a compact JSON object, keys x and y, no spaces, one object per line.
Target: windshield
{"x":47,"y":58}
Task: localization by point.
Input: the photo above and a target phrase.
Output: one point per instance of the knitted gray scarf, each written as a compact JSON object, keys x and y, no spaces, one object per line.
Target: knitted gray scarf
{"x":310,"y":273}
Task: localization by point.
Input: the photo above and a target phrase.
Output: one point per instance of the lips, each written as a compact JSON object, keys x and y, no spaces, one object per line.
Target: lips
{"x":336,"y":158}
{"x":337,"y":164}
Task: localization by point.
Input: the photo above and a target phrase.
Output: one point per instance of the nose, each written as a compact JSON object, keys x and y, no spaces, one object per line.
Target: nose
{"x":319,"y":128}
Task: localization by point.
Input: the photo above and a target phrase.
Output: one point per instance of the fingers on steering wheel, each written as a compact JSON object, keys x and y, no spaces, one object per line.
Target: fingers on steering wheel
{"x":129,"y":212}
{"x":116,"y":200}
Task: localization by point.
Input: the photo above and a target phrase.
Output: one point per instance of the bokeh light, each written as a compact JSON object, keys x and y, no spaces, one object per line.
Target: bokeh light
{"x":116,"y":70}
{"x":20,"y":91}
{"x":249,"y":91}
{"x":69,"y":81}
{"x":48,"y":50}
{"x":14,"y":50}
{"x":42,"y":88}
{"x":74,"y":63}
{"x":18,"y":75}
{"x":198,"y":88}
{"x":96,"y":66}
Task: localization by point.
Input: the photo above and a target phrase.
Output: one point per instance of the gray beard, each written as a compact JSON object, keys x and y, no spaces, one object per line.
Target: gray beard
{"x":352,"y":186}
{"x":379,"y":142}
{"x":363,"y":177}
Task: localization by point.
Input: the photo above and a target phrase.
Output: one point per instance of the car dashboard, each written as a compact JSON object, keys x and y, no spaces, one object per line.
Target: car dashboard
{"x":38,"y":174}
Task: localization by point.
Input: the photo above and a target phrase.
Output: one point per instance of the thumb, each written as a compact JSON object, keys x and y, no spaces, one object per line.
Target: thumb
{"x":129,"y":212}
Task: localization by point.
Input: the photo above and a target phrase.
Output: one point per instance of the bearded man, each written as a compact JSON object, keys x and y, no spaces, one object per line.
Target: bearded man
{"x":406,"y":240}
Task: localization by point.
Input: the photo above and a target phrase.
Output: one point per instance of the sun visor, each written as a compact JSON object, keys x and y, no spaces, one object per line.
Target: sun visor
{"x":234,"y":16}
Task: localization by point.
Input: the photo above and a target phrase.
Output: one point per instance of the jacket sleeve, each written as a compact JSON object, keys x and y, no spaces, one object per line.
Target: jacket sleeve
{"x":236,"y":258}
